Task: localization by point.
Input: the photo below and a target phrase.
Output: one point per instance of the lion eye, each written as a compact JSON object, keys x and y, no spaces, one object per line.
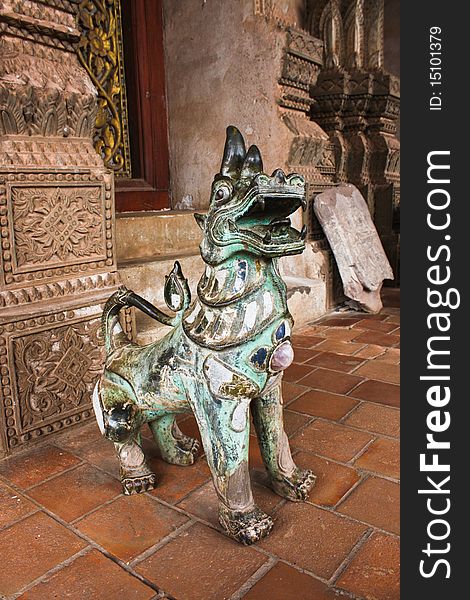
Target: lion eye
{"x":222,"y":194}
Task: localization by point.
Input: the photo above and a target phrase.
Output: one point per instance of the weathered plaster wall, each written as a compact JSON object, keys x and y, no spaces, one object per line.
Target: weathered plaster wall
{"x":222,"y":67}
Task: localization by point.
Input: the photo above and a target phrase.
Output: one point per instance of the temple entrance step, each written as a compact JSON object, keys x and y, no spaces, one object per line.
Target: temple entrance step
{"x":145,"y":235}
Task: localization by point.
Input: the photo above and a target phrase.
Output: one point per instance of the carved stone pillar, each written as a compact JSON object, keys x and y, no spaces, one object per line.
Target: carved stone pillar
{"x":357,"y":103}
{"x":56,"y":224}
{"x":311,"y":153}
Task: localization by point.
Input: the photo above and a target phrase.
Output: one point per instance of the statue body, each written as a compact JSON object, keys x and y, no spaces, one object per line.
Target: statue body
{"x":225,"y":354}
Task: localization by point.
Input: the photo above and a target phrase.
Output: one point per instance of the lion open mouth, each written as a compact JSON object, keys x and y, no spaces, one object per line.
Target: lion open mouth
{"x":267,"y":220}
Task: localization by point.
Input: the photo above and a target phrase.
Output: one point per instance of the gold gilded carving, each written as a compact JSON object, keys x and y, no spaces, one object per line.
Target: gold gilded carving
{"x":101,"y":53}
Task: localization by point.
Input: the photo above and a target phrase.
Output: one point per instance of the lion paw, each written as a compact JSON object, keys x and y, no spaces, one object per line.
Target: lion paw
{"x":189,"y":449}
{"x":296,"y":487}
{"x":246,"y":527}
{"x":138,"y":485}
{"x":183,"y":453}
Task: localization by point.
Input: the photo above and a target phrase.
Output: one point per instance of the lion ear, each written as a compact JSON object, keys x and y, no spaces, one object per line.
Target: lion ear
{"x":200,"y":220}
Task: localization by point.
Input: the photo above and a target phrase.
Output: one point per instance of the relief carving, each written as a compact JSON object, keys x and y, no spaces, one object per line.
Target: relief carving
{"x":55,"y":371}
{"x":57,"y":254}
{"x":357,"y":103}
{"x":57,"y":225}
{"x":100,"y":52}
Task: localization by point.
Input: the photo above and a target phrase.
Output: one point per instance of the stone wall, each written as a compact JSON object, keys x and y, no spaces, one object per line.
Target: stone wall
{"x":392,"y":37}
{"x":222,"y":67}
{"x":250,"y":64}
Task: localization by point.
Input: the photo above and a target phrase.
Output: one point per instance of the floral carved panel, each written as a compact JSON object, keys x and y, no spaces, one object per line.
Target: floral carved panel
{"x":49,"y":367}
{"x":55,"y":370}
{"x":59,"y":226}
{"x":56,"y":225}
{"x":57,"y":250}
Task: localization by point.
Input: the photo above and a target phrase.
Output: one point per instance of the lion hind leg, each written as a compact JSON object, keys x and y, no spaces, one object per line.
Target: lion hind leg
{"x":175,"y":447}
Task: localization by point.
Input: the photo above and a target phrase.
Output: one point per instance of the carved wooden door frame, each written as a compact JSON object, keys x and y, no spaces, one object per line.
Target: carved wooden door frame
{"x":122,"y":50}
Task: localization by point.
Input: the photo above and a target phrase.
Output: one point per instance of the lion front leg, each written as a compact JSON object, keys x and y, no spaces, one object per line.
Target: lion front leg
{"x":119,"y":420}
{"x":224,"y":427}
{"x":287,"y":479}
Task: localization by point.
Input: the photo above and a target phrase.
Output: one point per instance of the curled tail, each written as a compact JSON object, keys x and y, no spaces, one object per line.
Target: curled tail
{"x":177,"y":298}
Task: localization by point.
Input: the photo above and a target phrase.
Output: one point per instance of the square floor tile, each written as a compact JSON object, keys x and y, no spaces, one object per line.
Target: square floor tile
{"x":382,"y":457}
{"x":130,"y":525}
{"x":79,"y":437}
{"x":201,"y":563}
{"x":13,"y":505}
{"x":39,"y":544}
{"x":323,"y":404}
{"x":380,"y":370}
{"x":33,"y":466}
{"x":375,"y":501}
{"x":76,"y":492}
{"x":332,"y":482}
{"x":375,"y":418}
{"x":283,"y":582}
{"x":336,"y":362}
{"x":378,"y":391}
{"x":92,"y":576}
{"x":175,"y":482}
{"x":331,"y":381}
{"x":331,"y":440}
{"x":312,"y":538}
{"x":374,"y":573}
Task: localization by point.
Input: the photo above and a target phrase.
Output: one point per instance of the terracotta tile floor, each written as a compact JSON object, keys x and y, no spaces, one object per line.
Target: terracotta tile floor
{"x":66,"y":531}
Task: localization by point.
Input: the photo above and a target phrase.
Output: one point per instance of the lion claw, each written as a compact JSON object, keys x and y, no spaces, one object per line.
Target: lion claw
{"x":139,"y":485}
{"x":246,"y":527}
{"x":296,"y":487}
